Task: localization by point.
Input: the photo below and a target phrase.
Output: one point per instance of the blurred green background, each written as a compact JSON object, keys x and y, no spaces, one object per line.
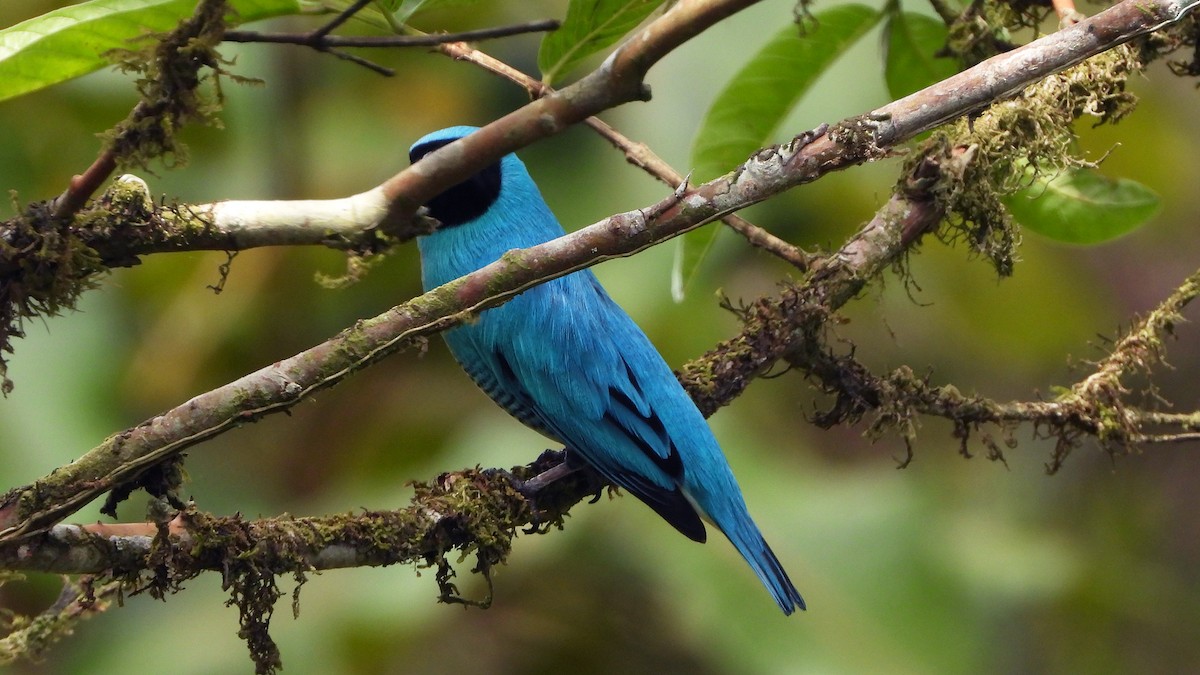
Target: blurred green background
{"x":949,"y":566}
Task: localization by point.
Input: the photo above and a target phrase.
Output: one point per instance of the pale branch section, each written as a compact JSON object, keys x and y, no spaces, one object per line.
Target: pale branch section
{"x":124,"y":223}
{"x":122,"y":457}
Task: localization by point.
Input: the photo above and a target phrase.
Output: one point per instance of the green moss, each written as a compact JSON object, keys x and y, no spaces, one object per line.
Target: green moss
{"x":466,"y":515}
{"x":29,"y":637}
{"x":44,"y":267}
{"x":171,"y":68}
{"x":1015,"y":139}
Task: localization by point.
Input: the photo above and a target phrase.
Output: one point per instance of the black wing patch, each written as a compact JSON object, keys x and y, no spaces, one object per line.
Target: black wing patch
{"x":624,"y":413}
{"x":670,"y":505}
{"x":649,"y":435}
{"x":671,"y":465}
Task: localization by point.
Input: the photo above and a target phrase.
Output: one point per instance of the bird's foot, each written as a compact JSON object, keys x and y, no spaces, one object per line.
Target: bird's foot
{"x":531,"y":487}
{"x":552,"y":466}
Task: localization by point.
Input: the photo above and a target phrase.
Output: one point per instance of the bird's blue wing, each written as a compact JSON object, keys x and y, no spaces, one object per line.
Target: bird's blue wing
{"x":490,"y":367}
{"x":562,"y":369}
{"x":631,"y":424}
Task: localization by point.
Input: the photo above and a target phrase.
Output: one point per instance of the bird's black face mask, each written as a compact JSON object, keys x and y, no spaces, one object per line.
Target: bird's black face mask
{"x":466,"y":201}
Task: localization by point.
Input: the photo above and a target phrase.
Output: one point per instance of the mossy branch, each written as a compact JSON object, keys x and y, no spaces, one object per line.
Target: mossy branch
{"x":30,"y":638}
{"x":47,"y":257}
{"x":1098,"y":407}
{"x":465,"y":514}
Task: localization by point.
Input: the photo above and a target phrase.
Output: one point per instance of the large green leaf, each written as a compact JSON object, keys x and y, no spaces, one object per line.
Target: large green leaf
{"x":590,"y":25}
{"x":752,"y":105}
{"x":910,"y":42}
{"x":1081,"y":206}
{"x":69,"y":42}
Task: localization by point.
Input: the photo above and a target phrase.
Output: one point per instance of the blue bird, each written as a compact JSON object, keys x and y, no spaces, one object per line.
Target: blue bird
{"x":564,"y":359}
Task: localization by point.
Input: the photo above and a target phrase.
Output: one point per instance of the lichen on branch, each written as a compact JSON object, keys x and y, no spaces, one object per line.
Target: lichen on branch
{"x":1016,"y":139}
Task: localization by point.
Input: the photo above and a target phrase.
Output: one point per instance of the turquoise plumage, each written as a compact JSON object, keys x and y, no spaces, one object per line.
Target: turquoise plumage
{"x":564,"y":359}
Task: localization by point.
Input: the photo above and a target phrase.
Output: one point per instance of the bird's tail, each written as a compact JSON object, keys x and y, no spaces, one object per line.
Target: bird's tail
{"x":749,"y":542}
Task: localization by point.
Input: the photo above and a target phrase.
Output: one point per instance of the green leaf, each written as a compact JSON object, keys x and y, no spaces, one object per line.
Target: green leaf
{"x":590,"y":26}
{"x":910,"y":42}
{"x":409,"y":8}
{"x":406,"y":9}
{"x":754,"y":103}
{"x":1081,"y":206}
{"x":69,"y":42}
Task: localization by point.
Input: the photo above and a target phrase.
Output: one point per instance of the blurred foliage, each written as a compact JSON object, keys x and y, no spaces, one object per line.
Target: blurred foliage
{"x":948,"y":566}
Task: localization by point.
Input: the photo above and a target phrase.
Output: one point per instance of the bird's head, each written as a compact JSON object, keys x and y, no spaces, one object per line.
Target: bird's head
{"x":497,"y":209}
{"x":469,"y":199}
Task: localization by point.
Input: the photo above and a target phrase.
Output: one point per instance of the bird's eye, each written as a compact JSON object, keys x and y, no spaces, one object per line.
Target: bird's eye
{"x":466,"y":201}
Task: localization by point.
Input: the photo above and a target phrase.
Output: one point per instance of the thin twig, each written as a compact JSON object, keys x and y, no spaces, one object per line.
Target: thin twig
{"x":946,"y":10}
{"x":1067,"y":14}
{"x":1146,"y":439}
{"x":84,"y":185}
{"x":321,"y":41}
{"x":341,"y":18}
{"x":638,"y":154}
